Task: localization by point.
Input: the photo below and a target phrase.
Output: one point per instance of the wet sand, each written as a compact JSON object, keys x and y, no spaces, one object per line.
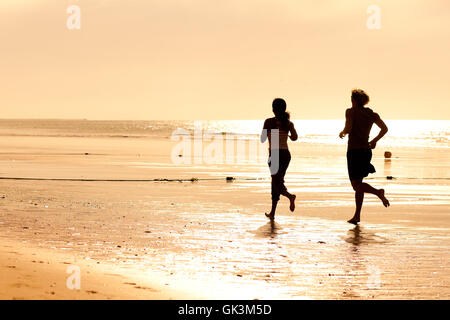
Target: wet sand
{"x":168,"y":231}
{"x":32,"y":272}
{"x":209,"y":238}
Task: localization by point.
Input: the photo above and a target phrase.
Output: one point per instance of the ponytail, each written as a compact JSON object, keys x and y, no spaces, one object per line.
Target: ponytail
{"x":279,"y":109}
{"x":284,"y":117}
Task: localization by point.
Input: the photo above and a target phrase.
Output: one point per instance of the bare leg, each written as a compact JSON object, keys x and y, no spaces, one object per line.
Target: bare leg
{"x":291,"y":198}
{"x":359,"y":198}
{"x":383,"y":198}
{"x":278,"y":187}
{"x":367,"y":188}
{"x":361,"y":188}
{"x":271,"y":215}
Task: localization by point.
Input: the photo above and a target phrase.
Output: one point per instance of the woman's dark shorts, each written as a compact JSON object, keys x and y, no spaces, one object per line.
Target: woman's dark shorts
{"x":278,"y":172}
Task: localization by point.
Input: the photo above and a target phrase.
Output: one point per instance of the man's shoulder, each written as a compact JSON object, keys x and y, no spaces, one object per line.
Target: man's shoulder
{"x":372,"y":113}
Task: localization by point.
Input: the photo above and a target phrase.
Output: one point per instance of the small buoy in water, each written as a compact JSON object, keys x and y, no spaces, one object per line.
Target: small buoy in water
{"x":230,"y":178}
{"x":389,"y":177}
{"x":387,"y":154}
{"x":86,"y":153}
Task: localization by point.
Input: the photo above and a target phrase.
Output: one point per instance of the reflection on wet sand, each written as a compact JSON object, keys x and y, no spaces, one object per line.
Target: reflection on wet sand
{"x":295,"y":256}
{"x":270,"y":229}
{"x":359,"y":235}
{"x":354,"y":236}
{"x":387,"y":167}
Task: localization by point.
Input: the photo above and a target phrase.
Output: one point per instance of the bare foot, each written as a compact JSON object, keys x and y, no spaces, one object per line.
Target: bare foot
{"x":353,"y":221}
{"x":292,"y":199}
{"x":271,"y":216}
{"x":383,"y":198}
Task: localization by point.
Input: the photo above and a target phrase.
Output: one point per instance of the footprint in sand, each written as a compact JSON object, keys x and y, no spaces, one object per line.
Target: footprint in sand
{"x":19,"y":285}
{"x":146,"y":288}
{"x":114,"y":275}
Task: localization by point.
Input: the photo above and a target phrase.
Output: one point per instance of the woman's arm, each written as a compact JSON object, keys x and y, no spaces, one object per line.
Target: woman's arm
{"x":348,"y":123}
{"x":264,"y":132}
{"x":294,"y":135}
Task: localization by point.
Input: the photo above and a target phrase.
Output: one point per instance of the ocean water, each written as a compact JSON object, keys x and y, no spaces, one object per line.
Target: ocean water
{"x":420,"y":153}
{"x":402,"y":133}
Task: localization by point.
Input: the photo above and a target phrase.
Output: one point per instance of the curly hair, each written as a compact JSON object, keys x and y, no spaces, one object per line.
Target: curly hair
{"x":360,"y":96}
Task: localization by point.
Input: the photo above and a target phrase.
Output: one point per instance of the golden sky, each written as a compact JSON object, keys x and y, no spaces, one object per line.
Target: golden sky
{"x":222,"y":59}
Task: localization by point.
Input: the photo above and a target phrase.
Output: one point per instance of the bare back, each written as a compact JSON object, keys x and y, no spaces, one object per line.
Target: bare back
{"x":362,"y":121}
{"x":283,"y":131}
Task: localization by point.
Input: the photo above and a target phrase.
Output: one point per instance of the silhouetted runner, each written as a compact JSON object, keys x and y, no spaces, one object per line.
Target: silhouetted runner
{"x":277,"y":129}
{"x":358,"y":123}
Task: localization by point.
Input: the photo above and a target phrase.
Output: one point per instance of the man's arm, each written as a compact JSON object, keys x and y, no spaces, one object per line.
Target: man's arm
{"x":294,"y":135}
{"x":384,"y":129}
{"x":348,"y":123}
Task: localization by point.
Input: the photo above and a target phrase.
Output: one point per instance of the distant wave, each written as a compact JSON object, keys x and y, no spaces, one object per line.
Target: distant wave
{"x":75,"y":135}
{"x":420,"y":133}
{"x":131,"y":180}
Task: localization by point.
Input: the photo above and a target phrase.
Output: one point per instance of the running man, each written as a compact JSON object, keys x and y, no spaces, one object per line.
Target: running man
{"x":358,"y":123}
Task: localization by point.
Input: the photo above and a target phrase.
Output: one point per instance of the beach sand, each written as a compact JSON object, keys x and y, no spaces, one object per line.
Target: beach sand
{"x":207,"y":238}
{"x":30,"y":273}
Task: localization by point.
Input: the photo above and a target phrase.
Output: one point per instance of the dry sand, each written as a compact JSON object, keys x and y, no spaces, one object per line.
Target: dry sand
{"x":29,"y":272}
